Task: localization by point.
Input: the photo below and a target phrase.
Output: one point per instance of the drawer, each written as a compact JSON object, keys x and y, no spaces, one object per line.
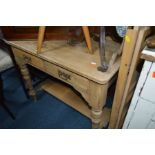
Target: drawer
{"x":28,"y":58}
{"x":78,"y":82}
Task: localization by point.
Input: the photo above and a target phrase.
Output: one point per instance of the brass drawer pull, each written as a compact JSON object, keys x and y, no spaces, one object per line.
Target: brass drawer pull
{"x":64,"y":75}
{"x":27,"y":59}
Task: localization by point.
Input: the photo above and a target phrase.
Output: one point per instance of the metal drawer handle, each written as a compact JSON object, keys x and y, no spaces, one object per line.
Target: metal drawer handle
{"x":64,"y":75}
{"x":27,"y":59}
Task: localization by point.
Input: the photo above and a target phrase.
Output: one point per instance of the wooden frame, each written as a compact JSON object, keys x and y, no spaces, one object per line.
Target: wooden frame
{"x":126,"y":78}
{"x":121,"y":81}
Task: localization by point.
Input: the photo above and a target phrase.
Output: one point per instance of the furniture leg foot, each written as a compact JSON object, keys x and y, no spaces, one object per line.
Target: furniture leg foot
{"x":96,"y":118}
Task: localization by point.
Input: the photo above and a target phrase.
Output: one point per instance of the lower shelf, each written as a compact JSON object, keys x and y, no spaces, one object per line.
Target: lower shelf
{"x":69,"y":97}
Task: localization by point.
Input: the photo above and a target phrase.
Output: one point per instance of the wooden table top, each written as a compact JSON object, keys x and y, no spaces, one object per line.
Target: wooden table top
{"x":74,"y":58}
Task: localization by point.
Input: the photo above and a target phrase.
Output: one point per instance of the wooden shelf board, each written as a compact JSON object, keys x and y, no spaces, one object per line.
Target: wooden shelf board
{"x":69,"y":97}
{"x":66,"y":95}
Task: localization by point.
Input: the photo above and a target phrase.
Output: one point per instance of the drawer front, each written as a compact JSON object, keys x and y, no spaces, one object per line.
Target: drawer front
{"x":28,"y":58}
{"x":81,"y":84}
{"x":78,"y":82}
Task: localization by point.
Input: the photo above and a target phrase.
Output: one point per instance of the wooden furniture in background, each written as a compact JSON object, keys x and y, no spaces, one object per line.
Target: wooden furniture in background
{"x":42,"y":33}
{"x":31,"y":32}
{"x":143,"y":32}
{"x":54,"y":32}
{"x":123,"y":71}
{"x":126,"y":78}
{"x":71,"y":34}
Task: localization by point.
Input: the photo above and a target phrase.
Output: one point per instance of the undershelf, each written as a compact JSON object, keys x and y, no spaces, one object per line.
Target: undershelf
{"x":69,"y":97}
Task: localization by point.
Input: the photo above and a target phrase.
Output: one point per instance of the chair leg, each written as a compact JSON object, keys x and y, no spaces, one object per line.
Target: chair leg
{"x":2,"y":100}
{"x":87,"y":38}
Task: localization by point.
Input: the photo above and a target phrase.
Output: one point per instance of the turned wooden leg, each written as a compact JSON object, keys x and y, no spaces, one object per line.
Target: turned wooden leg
{"x":96,"y":118}
{"x":98,"y":95}
{"x":28,"y":82}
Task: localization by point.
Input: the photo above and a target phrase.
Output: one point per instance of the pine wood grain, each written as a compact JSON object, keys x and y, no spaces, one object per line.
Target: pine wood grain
{"x":126,"y":58}
{"x":142,"y":33}
{"x":74,"y":58}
